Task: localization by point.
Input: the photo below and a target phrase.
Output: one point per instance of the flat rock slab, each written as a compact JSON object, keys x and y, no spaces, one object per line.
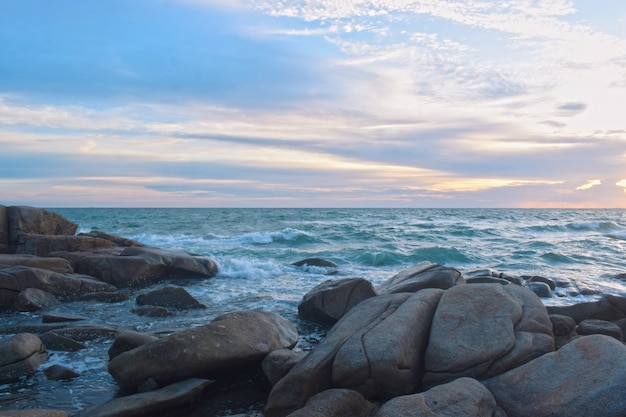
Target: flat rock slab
{"x":586,"y":377}
{"x":231,"y":341}
{"x":152,"y":402}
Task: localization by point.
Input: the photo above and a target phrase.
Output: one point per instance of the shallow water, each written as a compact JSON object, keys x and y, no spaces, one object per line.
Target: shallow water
{"x":255,"y":247}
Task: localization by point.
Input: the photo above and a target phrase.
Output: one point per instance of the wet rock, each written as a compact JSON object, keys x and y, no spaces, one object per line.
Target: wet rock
{"x":483,"y":330}
{"x":586,"y":377}
{"x":541,"y":289}
{"x":487,"y":280}
{"x":85,"y":332}
{"x":33,"y":299}
{"x":549,"y":282}
{"x":231,"y":341}
{"x":54,"y":264}
{"x":610,"y":308}
{"x":54,"y":341}
{"x":330,"y":300}
{"x":105,"y":297}
{"x":152,"y":311}
{"x":151,"y":403}
{"x":170,"y":297}
{"x":129,"y":340}
{"x":31,"y":220}
{"x":34,"y":412}
{"x":315,"y":262}
{"x":420,"y":276}
{"x":335,"y":403}
{"x":562,"y":325}
{"x":279,"y":362}
{"x":61,"y":318}
{"x":462,"y":397}
{"x":591,"y":326}
{"x":20,"y":355}
{"x":60,"y":373}
{"x":478,"y":274}
{"x":43,"y":245}
{"x":376,"y":349}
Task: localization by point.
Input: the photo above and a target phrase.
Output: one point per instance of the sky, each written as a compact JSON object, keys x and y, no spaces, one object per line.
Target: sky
{"x":313,"y":103}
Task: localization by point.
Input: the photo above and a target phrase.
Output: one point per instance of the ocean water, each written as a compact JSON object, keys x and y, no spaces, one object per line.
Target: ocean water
{"x":254,"y":249}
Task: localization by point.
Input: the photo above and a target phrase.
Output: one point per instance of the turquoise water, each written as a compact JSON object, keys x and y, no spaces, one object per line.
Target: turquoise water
{"x":255,"y":247}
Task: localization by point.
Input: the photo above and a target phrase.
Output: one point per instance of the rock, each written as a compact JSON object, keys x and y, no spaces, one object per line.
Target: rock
{"x":172,"y":297}
{"x":151,"y":403}
{"x":231,"y":341}
{"x":139,"y":265}
{"x":33,"y":299}
{"x":591,"y":326}
{"x":330,"y":300}
{"x":85,"y":332}
{"x":376,"y":349}
{"x":315,"y":262}
{"x":53,"y":264}
{"x":105,"y":297}
{"x":476,"y":276}
{"x":335,"y":403}
{"x":610,"y":308}
{"x":129,"y":340}
{"x":55,"y":341}
{"x":152,"y":311}
{"x":63,"y":286}
{"x":562,"y":325}
{"x":483,"y":330}
{"x":31,"y":220}
{"x":43,"y":245}
{"x":118,"y":240}
{"x":487,"y":280}
{"x":34,"y":412}
{"x":420,"y":276}
{"x":60,"y":373}
{"x":461,"y":397}
{"x":541,"y":289}
{"x":586,"y":377}
{"x":20,"y":355}
{"x":60,"y":318}
{"x":278,"y":363}
{"x":4,"y":230}
{"x":549,"y":282}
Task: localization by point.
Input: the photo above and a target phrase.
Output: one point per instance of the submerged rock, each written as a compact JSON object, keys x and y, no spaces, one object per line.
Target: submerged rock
{"x":20,"y":355}
{"x":170,"y":296}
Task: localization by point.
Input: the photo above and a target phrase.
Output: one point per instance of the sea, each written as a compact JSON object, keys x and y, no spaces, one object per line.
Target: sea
{"x":255,"y":248}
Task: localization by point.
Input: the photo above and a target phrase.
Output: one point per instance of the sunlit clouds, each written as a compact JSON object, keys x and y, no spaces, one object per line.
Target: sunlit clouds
{"x":429,"y":103}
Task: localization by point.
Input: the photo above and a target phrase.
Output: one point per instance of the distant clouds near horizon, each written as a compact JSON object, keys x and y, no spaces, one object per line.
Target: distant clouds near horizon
{"x":313,"y":103}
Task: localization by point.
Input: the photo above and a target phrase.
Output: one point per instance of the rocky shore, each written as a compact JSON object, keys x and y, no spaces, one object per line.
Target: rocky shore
{"x":429,"y":341}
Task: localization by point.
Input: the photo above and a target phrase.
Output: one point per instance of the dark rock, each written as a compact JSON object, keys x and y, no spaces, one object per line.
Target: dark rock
{"x":171,"y":297}
{"x":60,"y":318}
{"x":84,"y":332}
{"x":31,"y":220}
{"x":278,"y":363}
{"x":375,"y":349}
{"x":420,"y":276}
{"x":63,"y":286}
{"x":487,"y":280}
{"x":118,"y":240}
{"x":4,"y":230}
{"x":53,"y":264}
{"x":20,"y":355}
{"x":54,"y":341}
{"x":586,"y":377}
{"x":105,"y":297}
{"x":591,"y":326}
{"x":483,"y":330}
{"x":490,"y":273}
{"x":128,"y":340}
{"x":315,"y":262}
{"x":541,"y":289}
{"x":33,"y":299}
{"x":461,"y":397}
{"x":562,"y":325}
{"x":549,"y":282}
{"x":60,"y":373}
{"x":330,"y":300}
{"x":151,"y":403}
{"x":35,"y":412}
{"x":231,"y":341}
{"x":43,"y":245}
{"x":335,"y":403}
{"x":610,"y":308}
{"x":152,"y":311}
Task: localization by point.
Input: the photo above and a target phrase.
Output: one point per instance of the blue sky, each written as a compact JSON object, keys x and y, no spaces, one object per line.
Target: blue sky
{"x":307,"y":103}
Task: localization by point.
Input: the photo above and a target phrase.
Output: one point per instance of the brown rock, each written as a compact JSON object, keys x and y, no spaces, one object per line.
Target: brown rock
{"x":60,"y":373}
{"x":33,"y":299}
{"x":562,"y":325}
{"x":591,"y":326}
{"x":610,"y":308}
{"x":335,"y":403}
{"x":279,"y":362}
{"x":43,"y":245}
{"x":420,"y":276}
{"x":170,"y":296}
{"x":59,"y":265}
{"x":128,"y":340}
{"x":20,"y":355}
{"x":31,"y":220}
{"x":34,"y":412}
{"x":330,"y":300}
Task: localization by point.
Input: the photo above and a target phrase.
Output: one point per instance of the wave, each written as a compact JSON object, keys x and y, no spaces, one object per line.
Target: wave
{"x":599,"y":226}
{"x":437,"y":254}
{"x":618,"y":235}
{"x":263,"y":238}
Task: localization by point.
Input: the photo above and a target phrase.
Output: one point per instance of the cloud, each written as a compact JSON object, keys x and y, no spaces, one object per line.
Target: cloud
{"x":589,"y":184}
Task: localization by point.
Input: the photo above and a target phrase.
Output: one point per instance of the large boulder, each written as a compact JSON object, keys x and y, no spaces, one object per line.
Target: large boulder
{"x":610,"y":308}
{"x":420,"y":276}
{"x":151,"y":403}
{"x":330,"y":300}
{"x":20,"y":355}
{"x":231,"y":341}
{"x":129,"y":340}
{"x":376,"y":349}
{"x":32,"y":220}
{"x":140,"y":265}
{"x":62,"y":286}
{"x":482,"y":330}
{"x":54,"y":264}
{"x":586,"y":377}
{"x":335,"y":403}
{"x":279,"y":362}
{"x":33,"y":299}
{"x":43,"y":245}
{"x":461,"y":397}
{"x":170,"y":296}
